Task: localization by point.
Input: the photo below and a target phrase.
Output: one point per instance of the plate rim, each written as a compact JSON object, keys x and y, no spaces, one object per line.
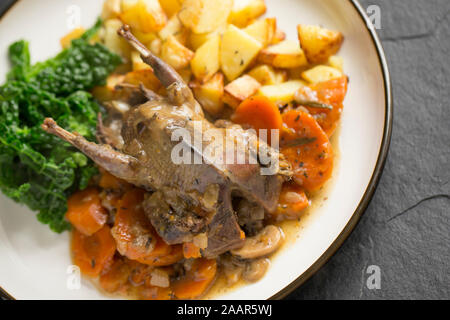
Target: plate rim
{"x":374,"y":180}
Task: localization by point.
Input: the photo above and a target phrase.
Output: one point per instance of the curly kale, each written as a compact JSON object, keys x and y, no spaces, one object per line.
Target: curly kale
{"x":38,"y":169}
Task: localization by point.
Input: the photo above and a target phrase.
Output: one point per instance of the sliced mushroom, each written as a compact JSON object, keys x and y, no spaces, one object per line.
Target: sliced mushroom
{"x":264,"y":243}
{"x":256,"y":269}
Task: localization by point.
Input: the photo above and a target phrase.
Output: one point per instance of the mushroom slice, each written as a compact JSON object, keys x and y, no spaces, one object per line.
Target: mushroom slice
{"x":267,"y":241}
{"x":256,"y":269}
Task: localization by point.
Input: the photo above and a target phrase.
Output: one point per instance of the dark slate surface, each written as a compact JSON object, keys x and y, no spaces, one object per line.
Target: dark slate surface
{"x":406,"y":229}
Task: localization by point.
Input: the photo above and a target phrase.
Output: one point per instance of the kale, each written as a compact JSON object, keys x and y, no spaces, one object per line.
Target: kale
{"x":36,"y":168}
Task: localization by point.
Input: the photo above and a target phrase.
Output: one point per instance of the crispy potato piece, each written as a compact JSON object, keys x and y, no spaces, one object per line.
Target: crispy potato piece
{"x":143,"y":15}
{"x":206,"y":60}
{"x":336,"y":62}
{"x":282,"y":93}
{"x":263,"y":30}
{"x":171,"y":7}
{"x":239,"y":90}
{"x":108,"y":92}
{"x":175,"y":54}
{"x":210,"y":93}
{"x":245,"y":11}
{"x":113,"y":41}
{"x":203,"y":16}
{"x":137,"y":63}
{"x":266,"y":75}
{"x":186,"y":74}
{"x":319,"y":43}
{"x":146,"y":77}
{"x":321,"y":74}
{"x":145,"y":37}
{"x":196,"y":40}
{"x":237,"y":51}
{"x":111,"y":9}
{"x":286,"y":54}
{"x":176,"y":28}
{"x":66,"y":41}
{"x":279,"y":36}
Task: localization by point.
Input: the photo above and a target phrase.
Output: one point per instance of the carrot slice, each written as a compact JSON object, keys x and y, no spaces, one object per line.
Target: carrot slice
{"x":116,"y":276}
{"x":197,"y":280}
{"x":85,"y":211}
{"x":135,"y":236}
{"x":306,"y":146}
{"x":93,"y":253}
{"x":330,"y":92}
{"x":190,"y":250}
{"x":163,"y":255}
{"x":259,"y":113}
{"x":292,"y":202}
{"x":132,"y":230}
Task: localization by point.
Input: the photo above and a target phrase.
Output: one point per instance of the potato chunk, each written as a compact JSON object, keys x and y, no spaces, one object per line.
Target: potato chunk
{"x":175,"y":54}
{"x":319,"y":43}
{"x":137,"y":63}
{"x":111,"y":9}
{"x":176,"y":28}
{"x":321,"y":74}
{"x":171,"y":7}
{"x":237,"y":51}
{"x":336,"y":62}
{"x":266,"y":75}
{"x":196,"y":40}
{"x":286,"y":54}
{"x":113,"y":41}
{"x":282,"y":93}
{"x":203,"y":16}
{"x":206,"y":60}
{"x":263,"y":30}
{"x":239,"y":90}
{"x":143,"y":15}
{"x":245,"y":11}
{"x":210,"y":93}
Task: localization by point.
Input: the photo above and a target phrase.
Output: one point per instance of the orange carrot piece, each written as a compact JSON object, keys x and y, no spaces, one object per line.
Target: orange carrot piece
{"x":93,"y":253}
{"x":259,"y":113}
{"x":306,"y":146}
{"x":135,"y":236}
{"x":197,"y":280}
{"x":330,"y":92}
{"x":72,"y":35}
{"x":292,"y":202}
{"x":163,"y":255}
{"x":190,"y":250}
{"x":132,"y":230}
{"x":116,"y":276}
{"x":85,"y":211}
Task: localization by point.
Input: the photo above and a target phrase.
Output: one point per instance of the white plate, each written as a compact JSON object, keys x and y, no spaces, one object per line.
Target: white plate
{"x":34,"y":261}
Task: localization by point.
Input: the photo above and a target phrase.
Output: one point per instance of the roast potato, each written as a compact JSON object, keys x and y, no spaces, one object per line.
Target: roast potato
{"x":143,"y":15}
{"x":263,"y":30}
{"x":321,"y":73}
{"x":319,"y":43}
{"x":286,"y":54}
{"x":237,"y":51}
{"x":239,"y":90}
{"x":175,"y":54}
{"x":245,"y":11}
{"x":202,"y":16}
{"x":210,"y":93}
{"x":281,"y":93}
{"x":266,"y":75}
{"x":206,"y":59}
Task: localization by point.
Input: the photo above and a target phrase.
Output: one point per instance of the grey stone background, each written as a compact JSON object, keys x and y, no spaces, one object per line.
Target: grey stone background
{"x":406,"y":228}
